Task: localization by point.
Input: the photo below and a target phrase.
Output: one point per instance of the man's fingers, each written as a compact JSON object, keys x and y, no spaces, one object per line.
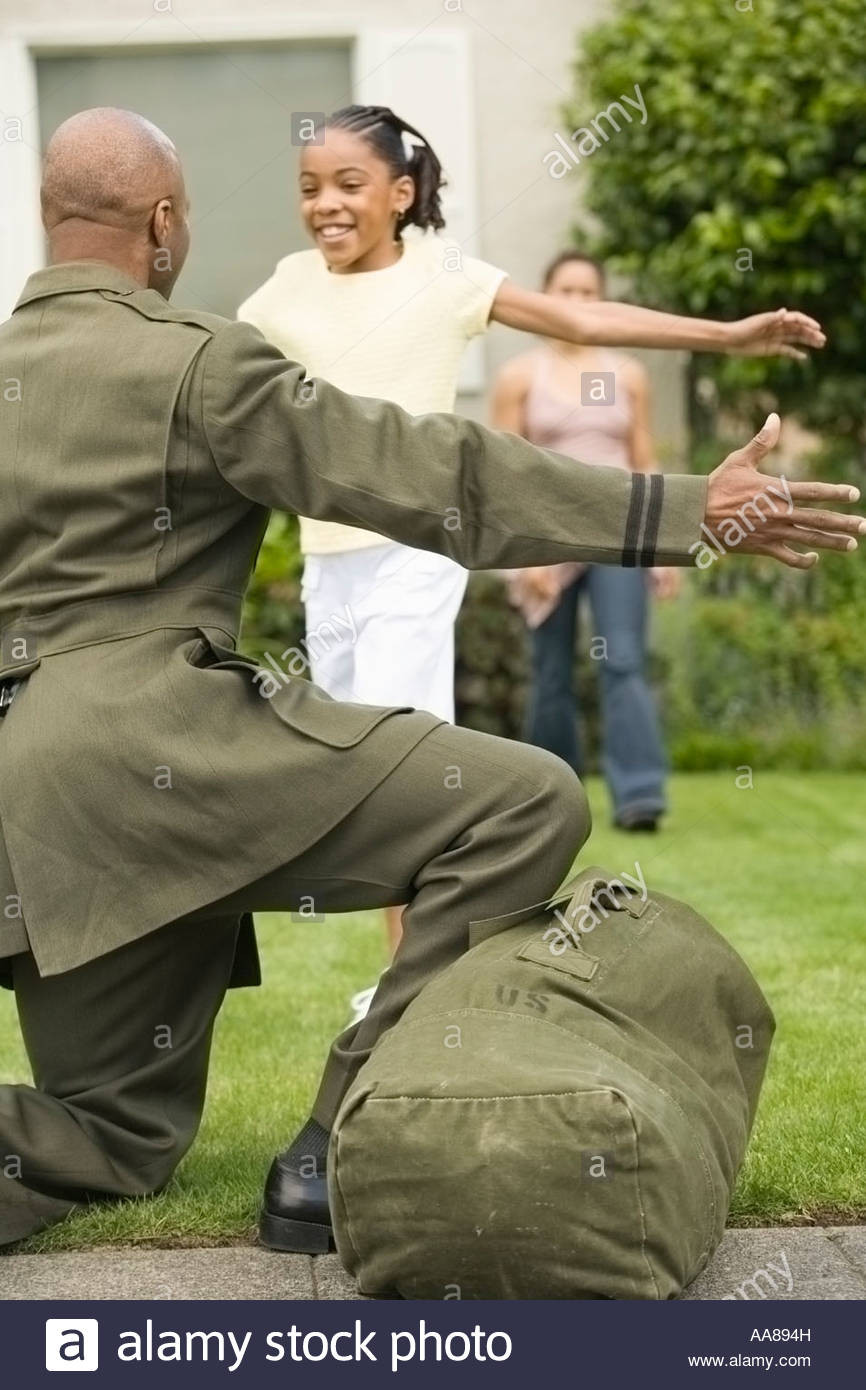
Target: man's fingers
{"x":827,"y":521}
{"x":756,"y":449}
{"x":787,"y":351}
{"x":825,"y":539}
{"x":822,"y":492}
{"x":787,"y":556}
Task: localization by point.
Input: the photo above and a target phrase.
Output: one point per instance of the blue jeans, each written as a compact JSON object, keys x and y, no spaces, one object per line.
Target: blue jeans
{"x":633,"y":758}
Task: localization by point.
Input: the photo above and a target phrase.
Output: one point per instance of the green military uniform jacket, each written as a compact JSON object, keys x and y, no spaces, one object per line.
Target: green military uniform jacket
{"x":145,"y":768}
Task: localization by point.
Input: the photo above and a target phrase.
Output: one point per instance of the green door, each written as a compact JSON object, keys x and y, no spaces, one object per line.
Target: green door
{"x":229,"y":111}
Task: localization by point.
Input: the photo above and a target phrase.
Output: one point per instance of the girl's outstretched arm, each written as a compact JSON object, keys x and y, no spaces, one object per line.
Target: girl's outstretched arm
{"x":607,"y":323}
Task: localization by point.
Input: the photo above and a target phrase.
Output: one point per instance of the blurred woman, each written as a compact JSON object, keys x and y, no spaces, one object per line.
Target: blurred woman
{"x":591,"y":404}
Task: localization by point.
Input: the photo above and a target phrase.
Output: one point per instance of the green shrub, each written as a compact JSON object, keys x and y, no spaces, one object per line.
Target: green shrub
{"x":273,"y":613}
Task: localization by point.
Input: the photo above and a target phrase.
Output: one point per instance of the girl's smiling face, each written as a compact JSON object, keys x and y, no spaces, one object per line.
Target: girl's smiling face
{"x":350,"y":202}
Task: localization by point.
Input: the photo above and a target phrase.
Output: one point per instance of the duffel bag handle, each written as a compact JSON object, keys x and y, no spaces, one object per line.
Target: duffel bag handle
{"x":594,"y":884}
{"x":575,"y":893}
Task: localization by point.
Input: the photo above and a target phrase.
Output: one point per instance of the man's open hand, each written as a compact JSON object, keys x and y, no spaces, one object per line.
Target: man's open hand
{"x":774,"y":335}
{"x":759,"y":514}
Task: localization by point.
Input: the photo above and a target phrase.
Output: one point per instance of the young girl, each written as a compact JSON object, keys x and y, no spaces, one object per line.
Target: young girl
{"x":542,"y":395}
{"x":383,"y":306}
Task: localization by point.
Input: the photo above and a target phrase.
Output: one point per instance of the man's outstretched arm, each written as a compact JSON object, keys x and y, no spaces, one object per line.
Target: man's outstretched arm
{"x":446,"y":484}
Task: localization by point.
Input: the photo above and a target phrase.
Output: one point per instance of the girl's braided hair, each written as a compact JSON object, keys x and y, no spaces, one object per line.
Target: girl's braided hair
{"x":405,"y":151}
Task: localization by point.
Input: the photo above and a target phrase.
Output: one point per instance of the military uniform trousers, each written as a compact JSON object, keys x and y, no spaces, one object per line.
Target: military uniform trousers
{"x":466,"y":827}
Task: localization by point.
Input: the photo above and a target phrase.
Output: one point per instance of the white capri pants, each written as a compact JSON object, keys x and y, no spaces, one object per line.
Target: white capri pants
{"x":380,"y":625}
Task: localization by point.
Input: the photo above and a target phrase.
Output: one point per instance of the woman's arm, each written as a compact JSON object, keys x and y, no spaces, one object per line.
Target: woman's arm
{"x":609,"y":324}
{"x":537,"y":583}
{"x":508,"y":401}
{"x":640,"y":442}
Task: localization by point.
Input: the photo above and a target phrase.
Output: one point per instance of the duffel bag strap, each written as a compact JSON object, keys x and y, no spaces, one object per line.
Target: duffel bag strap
{"x":596,"y":886}
{"x":576,"y":893}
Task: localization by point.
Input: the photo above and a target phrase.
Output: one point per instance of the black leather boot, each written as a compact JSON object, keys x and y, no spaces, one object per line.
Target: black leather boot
{"x":295,"y":1218}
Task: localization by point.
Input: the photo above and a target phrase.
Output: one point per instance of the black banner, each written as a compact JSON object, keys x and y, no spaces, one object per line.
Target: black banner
{"x":429,"y":1344}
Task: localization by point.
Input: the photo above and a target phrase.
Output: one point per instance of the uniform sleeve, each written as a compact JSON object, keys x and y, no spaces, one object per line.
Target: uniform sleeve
{"x":438,"y":482}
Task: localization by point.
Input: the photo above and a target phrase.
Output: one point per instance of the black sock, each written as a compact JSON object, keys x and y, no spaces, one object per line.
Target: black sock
{"x":311,"y":1143}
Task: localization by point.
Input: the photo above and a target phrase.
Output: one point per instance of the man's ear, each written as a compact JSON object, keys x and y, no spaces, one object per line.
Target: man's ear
{"x":161,"y":221}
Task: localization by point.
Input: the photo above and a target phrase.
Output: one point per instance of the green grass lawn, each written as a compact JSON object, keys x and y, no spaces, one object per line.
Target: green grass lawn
{"x":780,"y":869}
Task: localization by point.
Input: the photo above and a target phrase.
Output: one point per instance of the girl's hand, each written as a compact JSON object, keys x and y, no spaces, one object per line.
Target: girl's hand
{"x":774,"y":334}
{"x":665,"y":581}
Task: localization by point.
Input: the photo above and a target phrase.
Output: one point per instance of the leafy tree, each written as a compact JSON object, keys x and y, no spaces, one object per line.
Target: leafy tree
{"x":745,"y":188}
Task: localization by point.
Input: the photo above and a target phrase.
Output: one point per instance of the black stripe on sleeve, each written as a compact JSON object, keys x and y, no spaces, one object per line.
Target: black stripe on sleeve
{"x":653,"y":519}
{"x":633,"y":520}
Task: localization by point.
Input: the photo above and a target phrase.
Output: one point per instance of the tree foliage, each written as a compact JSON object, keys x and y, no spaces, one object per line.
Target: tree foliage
{"x":753,"y":154}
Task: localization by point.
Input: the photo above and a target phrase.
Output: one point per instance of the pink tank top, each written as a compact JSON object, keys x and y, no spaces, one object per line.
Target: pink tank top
{"x":592,"y":433}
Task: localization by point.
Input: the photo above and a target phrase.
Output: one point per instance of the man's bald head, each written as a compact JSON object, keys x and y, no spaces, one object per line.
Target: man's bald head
{"x":112,"y":189}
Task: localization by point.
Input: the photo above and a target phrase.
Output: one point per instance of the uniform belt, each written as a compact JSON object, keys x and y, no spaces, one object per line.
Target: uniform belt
{"x":26,"y":640}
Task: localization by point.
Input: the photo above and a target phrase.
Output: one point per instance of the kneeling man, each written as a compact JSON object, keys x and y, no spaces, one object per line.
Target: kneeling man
{"x":154,"y":791}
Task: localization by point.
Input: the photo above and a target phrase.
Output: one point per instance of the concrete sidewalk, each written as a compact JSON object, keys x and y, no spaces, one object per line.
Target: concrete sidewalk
{"x":787,"y":1262}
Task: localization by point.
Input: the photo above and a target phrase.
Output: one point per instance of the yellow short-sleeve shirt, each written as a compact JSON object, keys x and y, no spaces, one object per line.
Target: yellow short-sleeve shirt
{"x":397,"y":333}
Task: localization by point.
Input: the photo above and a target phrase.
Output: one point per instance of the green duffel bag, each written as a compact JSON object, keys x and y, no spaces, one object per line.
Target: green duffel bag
{"x":559,"y":1114}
